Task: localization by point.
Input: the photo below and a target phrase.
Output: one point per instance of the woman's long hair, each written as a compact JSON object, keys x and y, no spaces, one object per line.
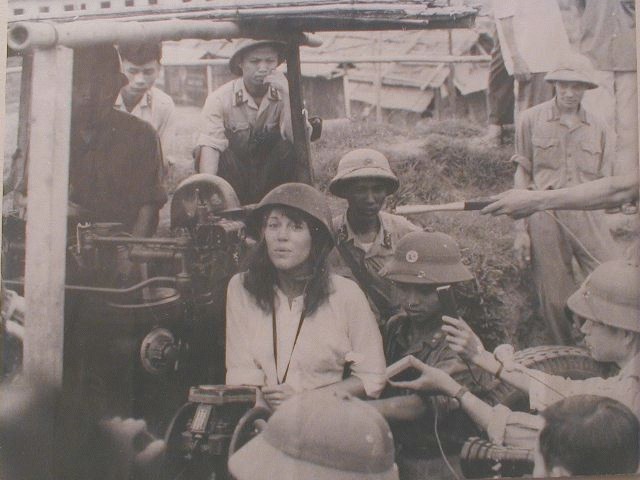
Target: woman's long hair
{"x":260,"y":276}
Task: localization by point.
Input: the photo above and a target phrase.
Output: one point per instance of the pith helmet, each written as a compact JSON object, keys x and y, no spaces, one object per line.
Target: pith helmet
{"x":363,"y":163}
{"x":321,"y":436}
{"x":426,"y":258}
{"x":248,"y":44}
{"x":575,"y":68}
{"x":610,"y":295}
{"x":299,"y":196}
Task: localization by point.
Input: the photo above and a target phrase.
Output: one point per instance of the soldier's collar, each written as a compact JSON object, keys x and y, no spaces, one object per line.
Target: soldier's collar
{"x":383,"y":237}
{"x":554,"y":112}
{"x":241,"y":95}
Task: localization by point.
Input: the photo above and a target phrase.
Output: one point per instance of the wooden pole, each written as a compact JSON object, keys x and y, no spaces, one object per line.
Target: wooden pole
{"x":47,"y":213}
{"x":26,"y":35}
{"x":347,"y":93}
{"x":303,"y":169}
{"x":378,"y":81}
{"x":210,"y":77}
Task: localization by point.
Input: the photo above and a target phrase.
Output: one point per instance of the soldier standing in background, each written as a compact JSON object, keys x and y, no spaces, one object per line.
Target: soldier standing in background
{"x":140,"y":97}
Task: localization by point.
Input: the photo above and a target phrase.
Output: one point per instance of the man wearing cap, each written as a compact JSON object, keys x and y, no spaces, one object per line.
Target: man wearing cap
{"x":560,"y":144}
{"x":321,"y":436}
{"x":366,"y":236}
{"x":246,"y":134}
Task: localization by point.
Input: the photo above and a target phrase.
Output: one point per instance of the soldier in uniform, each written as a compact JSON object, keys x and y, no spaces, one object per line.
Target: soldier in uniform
{"x":365,"y":236}
{"x":422,"y":261}
{"x":246,"y":133}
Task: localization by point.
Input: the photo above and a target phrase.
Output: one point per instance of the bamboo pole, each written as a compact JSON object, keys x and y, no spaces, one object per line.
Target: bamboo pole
{"x":27,"y":35}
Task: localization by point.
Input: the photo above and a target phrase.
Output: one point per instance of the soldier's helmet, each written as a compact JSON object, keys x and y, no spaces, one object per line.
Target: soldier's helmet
{"x":426,"y":258}
{"x":246,"y":45}
{"x":610,"y":295}
{"x":363,"y":163}
{"x":574,"y":68}
{"x":302,"y":197}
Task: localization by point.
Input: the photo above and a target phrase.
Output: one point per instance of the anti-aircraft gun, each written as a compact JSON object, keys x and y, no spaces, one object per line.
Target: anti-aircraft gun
{"x":165,"y":333}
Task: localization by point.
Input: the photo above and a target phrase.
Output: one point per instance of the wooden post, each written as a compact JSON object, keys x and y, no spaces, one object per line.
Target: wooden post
{"x":209,"y":78}
{"x":378,"y":82}
{"x":451,"y":86}
{"x":303,"y":169}
{"x":46,"y":214}
{"x":347,"y":93}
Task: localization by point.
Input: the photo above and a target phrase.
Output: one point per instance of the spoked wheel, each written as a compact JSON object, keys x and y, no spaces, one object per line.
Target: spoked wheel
{"x":479,"y":457}
{"x":250,"y":425}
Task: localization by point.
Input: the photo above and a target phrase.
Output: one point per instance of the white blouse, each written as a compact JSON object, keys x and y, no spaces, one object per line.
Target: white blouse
{"x":342,"y":330}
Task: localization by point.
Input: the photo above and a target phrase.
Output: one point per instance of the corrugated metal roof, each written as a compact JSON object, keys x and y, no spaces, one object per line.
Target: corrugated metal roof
{"x":392,"y":97}
{"x":407,"y":86}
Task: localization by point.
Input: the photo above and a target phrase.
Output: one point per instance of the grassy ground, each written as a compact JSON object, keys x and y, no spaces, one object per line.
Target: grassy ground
{"x":436,"y":162}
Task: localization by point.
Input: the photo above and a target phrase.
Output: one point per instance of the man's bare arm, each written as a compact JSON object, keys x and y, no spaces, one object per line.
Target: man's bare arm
{"x":209,"y":160}
{"x":608,"y":192}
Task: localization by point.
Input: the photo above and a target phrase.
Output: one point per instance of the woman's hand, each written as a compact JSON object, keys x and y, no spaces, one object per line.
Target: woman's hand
{"x":430,"y":380}
{"x":277,"y":394}
{"x":462,"y":339}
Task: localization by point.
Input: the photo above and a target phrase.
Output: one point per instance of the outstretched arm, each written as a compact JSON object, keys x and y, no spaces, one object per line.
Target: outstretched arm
{"x":608,"y":192}
{"x":435,"y":380}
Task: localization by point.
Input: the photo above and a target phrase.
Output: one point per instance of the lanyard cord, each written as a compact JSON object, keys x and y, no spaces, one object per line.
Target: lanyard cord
{"x":274,"y":336}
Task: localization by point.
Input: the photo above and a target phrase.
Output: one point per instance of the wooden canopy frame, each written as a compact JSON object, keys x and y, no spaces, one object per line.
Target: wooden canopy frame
{"x":47,"y":73}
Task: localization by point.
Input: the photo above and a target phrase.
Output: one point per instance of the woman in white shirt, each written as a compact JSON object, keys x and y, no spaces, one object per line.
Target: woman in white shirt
{"x":291,"y":325}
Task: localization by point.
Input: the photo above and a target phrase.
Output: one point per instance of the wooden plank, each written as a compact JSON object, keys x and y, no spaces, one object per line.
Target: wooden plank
{"x":47,"y":211}
{"x":303,"y":170}
{"x":310,"y":16}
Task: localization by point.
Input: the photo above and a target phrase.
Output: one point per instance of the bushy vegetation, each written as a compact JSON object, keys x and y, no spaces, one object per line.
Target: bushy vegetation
{"x":436,"y":162}
{"x":443,"y":162}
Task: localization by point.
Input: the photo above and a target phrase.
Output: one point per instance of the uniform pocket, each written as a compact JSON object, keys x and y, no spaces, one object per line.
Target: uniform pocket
{"x":239,"y":127}
{"x":545,"y":151}
{"x":590,"y":158}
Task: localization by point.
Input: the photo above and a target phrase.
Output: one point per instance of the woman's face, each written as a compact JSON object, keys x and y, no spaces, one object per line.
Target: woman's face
{"x":288,"y":241}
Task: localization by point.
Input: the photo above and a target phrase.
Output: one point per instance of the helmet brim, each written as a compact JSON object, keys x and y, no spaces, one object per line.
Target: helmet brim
{"x":340,"y":184}
{"x":570,"y":76}
{"x":442,"y":274}
{"x":234,"y":61}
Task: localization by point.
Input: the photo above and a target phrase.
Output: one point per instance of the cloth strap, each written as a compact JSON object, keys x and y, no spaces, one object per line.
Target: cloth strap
{"x":274,"y":328}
